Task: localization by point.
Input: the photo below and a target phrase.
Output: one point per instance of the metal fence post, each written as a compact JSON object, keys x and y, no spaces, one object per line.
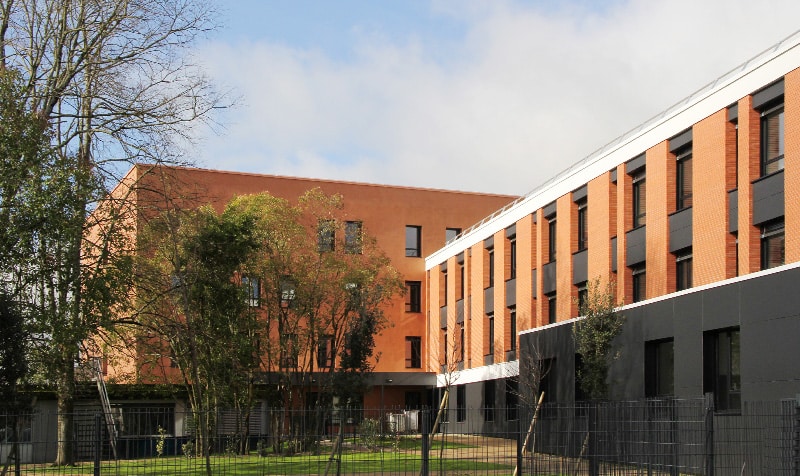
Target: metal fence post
{"x":796,"y":438}
{"x":426,"y":448}
{"x":520,"y":439}
{"x":709,"y":424}
{"x":594,"y":462}
{"x":98,"y":443}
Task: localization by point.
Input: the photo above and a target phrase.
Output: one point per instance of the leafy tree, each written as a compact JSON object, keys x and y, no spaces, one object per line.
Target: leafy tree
{"x":112,"y":81}
{"x":594,"y":337}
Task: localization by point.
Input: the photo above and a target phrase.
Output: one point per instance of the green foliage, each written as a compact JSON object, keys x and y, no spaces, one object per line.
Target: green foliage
{"x":161,"y":441}
{"x":13,"y":360}
{"x":369,"y":431}
{"x":594,"y":336}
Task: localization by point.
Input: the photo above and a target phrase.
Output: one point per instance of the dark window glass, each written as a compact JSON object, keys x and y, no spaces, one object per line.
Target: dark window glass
{"x":551,"y":237}
{"x":639,"y":284}
{"x":490,"y":318}
{"x":491,"y":268}
{"x":721,"y":368}
{"x":413,"y":241}
{"x":325,"y":352}
{"x":142,"y":421}
{"x":460,"y":342}
{"x":461,"y":281}
{"x":451,"y":234}
{"x":684,"y":180}
{"x":352,"y":237}
{"x":683,"y":271}
{"x":772,"y":139}
{"x":551,"y":308}
{"x":583,"y":296}
{"x":461,"y":403}
{"x":773,"y":250}
{"x":413,"y":352}
{"x":512,"y":272}
{"x":659,"y":369}
{"x":488,"y":400}
{"x":413,"y":296}
{"x":639,"y":200}
{"x":583,"y":226}
{"x":326,"y":235}
{"x":444,"y":288}
{"x":288,"y":357}
{"x":512,"y":399}
{"x":252,"y":289}
{"x":512,"y":318}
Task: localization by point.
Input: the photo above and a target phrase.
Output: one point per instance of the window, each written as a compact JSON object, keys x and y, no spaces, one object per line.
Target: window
{"x":488,"y":400}
{"x":659,"y":368}
{"x":684,"y":179}
{"x":413,"y":296}
{"x":512,"y":324}
{"x":145,"y":421}
{"x":460,"y":343}
{"x":721,"y":369}
{"x":773,"y":251}
{"x":451,"y":234}
{"x":512,"y":399}
{"x":445,"y":357}
{"x":490,"y":334}
{"x":288,"y":358}
{"x":461,"y":403}
{"x":639,"y":283}
{"x":583,"y":297}
{"x":413,"y":241}
{"x":444,"y":289}
{"x":461,"y":280}
{"x":683,"y":271}
{"x":252,"y":289}
{"x":512,"y":265}
{"x":326,"y":236}
{"x":288,"y":292}
{"x":413,"y":352}
{"x":352,"y":237}
{"x":772,"y":138}
{"x":491,"y":267}
{"x":639,"y":200}
{"x":325,"y":352}
{"x":551,"y":308}
{"x":583,"y":226}
{"x":551,"y":237}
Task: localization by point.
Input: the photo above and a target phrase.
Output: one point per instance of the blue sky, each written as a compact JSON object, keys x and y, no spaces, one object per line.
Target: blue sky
{"x":478,"y":95}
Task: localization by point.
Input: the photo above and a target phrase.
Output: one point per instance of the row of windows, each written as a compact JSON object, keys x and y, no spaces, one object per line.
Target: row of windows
{"x":414,"y":239}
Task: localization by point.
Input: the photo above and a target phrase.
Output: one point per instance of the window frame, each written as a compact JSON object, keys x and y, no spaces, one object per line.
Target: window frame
{"x":683,"y":270}
{"x":655,"y":351}
{"x":252,"y":287}
{"x":353,"y":237}
{"x":721,"y":360}
{"x":552,"y":308}
{"x":684,"y":170}
{"x":770,"y":165}
{"x":773,"y":232}
{"x":326,"y":236}
{"x":413,"y":241}
{"x":583,"y":225}
{"x":414,"y":296}
{"x":639,"y":199}
{"x":552,"y":239}
{"x":639,"y":282}
{"x":413,"y":352}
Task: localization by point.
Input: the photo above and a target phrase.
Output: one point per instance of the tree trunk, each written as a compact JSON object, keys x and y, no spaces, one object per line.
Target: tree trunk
{"x":66,"y":408}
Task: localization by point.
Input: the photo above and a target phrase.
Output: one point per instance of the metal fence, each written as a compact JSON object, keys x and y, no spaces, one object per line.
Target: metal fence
{"x":648,"y":437}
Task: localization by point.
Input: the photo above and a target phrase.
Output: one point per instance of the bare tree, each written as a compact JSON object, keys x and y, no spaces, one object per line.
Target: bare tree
{"x":114,"y":81}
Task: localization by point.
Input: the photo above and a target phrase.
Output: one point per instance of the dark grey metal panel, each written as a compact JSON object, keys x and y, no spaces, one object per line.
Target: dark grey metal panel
{"x":549,"y":210}
{"x":733,"y":211}
{"x":488,"y":300}
{"x":613,"y":176}
{"x":636,"y":244}
{"x":680,"y":230}
{"x":549,"y":278}
{"x":460,"y":258}
{"x":460,"y":311}
{"x":580,"y":267}
{"x":766,"y":95}
{"x":680,"y":140}
{"x":721,"y":307}
{"x":443,"y":267}
{"x":768,"y":198}
{"x":580,"y":194}
{"x":511,"y":292}
{"x":533,"y":283}
{"x":443,"y":317}
{"x":688,"y":345}
{"x":614,"y":254}
{"x":733,"y":112}
{"x":488,"y":243}
{"x":659,"y":316}
{"x":511,"y":231}
{"x":635,"y":164}
{"x":488,"y":359}
{"x":774,"y":296}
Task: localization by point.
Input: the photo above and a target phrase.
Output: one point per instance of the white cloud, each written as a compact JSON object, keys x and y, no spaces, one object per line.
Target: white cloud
{"x":524,"y":95}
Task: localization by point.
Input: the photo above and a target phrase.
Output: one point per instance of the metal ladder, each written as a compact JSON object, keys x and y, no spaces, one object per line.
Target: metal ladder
{"x":106,"y":404}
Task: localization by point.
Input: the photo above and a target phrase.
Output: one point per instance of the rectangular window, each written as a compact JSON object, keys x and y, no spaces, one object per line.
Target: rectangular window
{"x":288,"y":358}
{"x":413,"y":241}
{"x":772,"y":139}
{"x":326,"y":235}
{"x":583,"y":226}
{"x":721,"y":368}
{"x":583,"y":297}
{"x":512,"y":271}
{"x":683,"y":271}
{"x":659,"y":368}
{"x":352,"y":237}
{"x":461,"y":281}
{"x":325,"y":352}
{"x":639,"y":200}
{"x":491,"y":267}
{"x":413,"y":352}
{"x":773,"y":250}
{"x":488,"y":400}
{"x":451,"y":234}
{"x":413,"y":296}
{"x":461,"y":403}
{"x":551,"y":308}
{"x":490,"y":334}
{"x":551,"y":237}
{"x":444,"y":289}
{"x":639,"y":283}
{"x":684,"y":179}
{"x":512,"y":324}
{"x":252,"y":289}
{"x":512,"y":399}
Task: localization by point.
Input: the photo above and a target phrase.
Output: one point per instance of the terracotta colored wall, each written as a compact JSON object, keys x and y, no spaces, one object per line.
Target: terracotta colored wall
{"x":601,"y":205}
{"x":792,"y":163}
{"x":660,"y":202}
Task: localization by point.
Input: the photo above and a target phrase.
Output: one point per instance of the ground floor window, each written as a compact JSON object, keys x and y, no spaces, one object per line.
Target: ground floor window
{"x":722,"y":369}
{"x":659,"y":369}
